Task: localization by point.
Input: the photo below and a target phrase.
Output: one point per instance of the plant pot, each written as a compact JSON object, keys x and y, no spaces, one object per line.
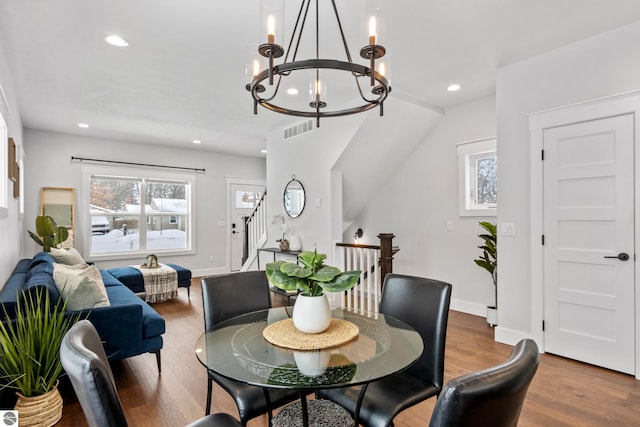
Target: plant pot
{"x":311,"y":315}
{"x":40,"y":411}
{"x":492,"y":316}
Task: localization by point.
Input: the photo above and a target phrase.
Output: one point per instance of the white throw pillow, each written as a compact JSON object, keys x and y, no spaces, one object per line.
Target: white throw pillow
{"x":67,"y":256}
{"x":81,"y":285}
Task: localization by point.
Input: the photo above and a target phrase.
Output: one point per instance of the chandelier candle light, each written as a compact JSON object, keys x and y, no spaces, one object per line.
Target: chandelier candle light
{"x":266,"y":78}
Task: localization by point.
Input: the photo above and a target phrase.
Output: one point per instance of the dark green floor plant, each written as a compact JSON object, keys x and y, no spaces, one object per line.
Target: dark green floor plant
{"x":30,"y":344}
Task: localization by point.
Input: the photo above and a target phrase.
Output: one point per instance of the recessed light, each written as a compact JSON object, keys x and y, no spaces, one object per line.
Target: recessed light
{"x":263,"y":151}
{"x":83,"y":125}
{"x":118,"y":41}
{"x":454,"y":87}
{"x":197,"y":141}
{"x":292,"y":91}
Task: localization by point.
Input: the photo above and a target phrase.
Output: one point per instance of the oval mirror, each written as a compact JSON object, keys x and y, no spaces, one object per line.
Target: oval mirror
{"x":293,"y":197}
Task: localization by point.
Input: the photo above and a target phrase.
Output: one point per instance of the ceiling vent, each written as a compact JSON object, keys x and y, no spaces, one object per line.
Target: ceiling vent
{"x":299,"y":129}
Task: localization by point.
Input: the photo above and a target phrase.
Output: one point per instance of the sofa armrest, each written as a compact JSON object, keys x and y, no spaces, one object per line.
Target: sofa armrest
{"x":119,"y":327}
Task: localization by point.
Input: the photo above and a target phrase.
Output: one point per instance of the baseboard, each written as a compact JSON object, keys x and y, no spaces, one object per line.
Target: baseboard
{"x":509,"y":336}
{"x":468,"y":307}
{"x":209,"y":272}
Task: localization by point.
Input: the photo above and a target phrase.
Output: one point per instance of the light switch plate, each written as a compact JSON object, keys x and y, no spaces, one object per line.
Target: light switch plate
{"x":508,"y":229}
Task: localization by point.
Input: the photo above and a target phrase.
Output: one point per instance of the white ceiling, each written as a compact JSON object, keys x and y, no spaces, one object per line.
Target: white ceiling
{"x":182,"y":77}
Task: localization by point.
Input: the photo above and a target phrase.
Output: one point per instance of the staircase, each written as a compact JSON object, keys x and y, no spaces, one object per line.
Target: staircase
{"x":255,"y":233}
{"x":374,"y":262}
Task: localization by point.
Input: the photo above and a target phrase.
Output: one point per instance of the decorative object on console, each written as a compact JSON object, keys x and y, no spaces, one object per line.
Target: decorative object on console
{"x":49,"y":235}
{"x":151,"y":262}
{"x":294,"y":243}
{"x":489,"y":261}
{"x":312,"y":278}
{"x":265,"y":94}
{"x":283,"y":243}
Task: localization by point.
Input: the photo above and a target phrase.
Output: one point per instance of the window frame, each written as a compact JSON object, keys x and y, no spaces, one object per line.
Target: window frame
{"x":138,"y":174}
{"x":468,"y":153}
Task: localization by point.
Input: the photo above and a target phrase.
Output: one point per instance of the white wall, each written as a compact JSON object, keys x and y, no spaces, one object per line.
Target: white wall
{"x":48,"y":164}
{"x":600,"y":66}
{"x":11,"y":237}
{"x":419,"y":199}
{"x":309,"y":157}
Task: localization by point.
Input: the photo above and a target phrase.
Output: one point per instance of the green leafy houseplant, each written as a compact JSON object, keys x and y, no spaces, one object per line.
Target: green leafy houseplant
{"x":310,"y":276}
{"x":30,"y":344}
{"x":48,"y":234}
{"x":489,"y":258}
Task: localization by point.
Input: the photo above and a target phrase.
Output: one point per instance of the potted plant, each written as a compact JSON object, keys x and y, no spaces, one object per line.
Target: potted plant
{"x":312,"y":278}
{"x":489,"y":261}
{"x":30,"y":356}
{"x":49,"y":235}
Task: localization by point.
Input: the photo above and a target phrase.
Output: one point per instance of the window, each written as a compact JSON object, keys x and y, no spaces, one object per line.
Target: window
{"x":477,"y":177}
{"x":132,"y":216}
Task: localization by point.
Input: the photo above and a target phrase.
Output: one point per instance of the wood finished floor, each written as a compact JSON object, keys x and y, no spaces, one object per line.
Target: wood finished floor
{"x":563,"y":392}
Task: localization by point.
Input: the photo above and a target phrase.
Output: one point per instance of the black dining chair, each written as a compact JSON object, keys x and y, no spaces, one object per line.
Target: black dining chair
{"x":423,"y":304}
{"x":224,"y":297}
{"x":85,"y":361}
{"x":491,"y":397}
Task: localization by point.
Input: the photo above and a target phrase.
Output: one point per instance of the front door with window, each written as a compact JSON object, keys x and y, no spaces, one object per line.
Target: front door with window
{"x":244,"y":199}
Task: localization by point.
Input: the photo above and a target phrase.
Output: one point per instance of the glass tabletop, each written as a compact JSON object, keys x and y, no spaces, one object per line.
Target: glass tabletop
{"x":236,"y":349}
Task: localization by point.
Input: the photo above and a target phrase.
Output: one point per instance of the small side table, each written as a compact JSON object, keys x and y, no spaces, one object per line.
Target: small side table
{"x":275,"y":252}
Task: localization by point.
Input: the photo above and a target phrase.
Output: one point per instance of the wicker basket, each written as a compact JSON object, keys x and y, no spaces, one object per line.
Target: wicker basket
{"x":40,"y":411}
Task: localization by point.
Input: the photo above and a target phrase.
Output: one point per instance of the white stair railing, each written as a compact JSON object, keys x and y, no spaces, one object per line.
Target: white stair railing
{"x":256,"y":232}
{"x":364,"y":298}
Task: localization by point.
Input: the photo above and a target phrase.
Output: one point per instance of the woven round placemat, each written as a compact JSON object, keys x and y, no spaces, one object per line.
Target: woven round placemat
{"x":284,"y":334}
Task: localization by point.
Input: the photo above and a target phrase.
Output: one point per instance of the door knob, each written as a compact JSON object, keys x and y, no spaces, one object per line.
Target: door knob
{"x":622,"y":256}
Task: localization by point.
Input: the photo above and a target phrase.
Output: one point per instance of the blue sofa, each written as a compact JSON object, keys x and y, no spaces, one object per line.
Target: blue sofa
{"x":128,"y":327}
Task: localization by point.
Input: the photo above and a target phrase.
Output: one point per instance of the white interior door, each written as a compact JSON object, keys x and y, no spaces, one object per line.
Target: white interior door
{"x":589,"y":222}
{"x":244,"y":198}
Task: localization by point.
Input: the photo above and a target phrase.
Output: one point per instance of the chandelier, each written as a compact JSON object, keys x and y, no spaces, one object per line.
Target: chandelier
{"x":266,"y":77}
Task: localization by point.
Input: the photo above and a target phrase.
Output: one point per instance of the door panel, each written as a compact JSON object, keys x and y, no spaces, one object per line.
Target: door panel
{"x":588,"y":215}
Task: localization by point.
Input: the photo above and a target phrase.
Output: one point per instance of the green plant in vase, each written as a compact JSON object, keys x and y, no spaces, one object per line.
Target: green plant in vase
{"x":312,"y":278}
{"x":48,"y":234}
{"x":30,"y":354}
{"x":489,"y":260}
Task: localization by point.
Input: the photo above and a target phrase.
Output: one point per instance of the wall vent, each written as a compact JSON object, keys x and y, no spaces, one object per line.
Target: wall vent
{"x":299,"y":129}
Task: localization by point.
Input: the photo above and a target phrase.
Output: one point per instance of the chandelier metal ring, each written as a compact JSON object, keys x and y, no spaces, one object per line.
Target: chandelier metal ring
{"x":357,"y":70}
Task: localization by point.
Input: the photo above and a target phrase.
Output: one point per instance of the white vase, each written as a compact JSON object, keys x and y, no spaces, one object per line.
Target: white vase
{"x":492,"y":316}
{"x":312,"y":363}
{"x":311,"y":315}
{"x":294,"y":243}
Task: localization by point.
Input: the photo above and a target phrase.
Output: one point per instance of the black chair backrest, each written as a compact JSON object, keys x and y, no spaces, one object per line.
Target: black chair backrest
{"x":423,"y":304}
{"x":491,"y":397}
{"x":230,"y":295}
{"x":83,"y":358}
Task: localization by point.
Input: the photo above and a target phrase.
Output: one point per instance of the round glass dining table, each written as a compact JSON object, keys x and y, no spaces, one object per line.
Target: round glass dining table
{"x":236,"y":349}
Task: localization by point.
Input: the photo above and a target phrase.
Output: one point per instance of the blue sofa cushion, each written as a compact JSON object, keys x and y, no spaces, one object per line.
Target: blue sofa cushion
{"x":40,"y":275}
{"x":22,"y":266}
{"x":41,"y":257}
{"x":152,"y":324}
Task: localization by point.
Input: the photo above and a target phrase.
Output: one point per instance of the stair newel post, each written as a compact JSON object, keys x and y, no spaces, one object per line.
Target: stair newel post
{"x":386,"y":255}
